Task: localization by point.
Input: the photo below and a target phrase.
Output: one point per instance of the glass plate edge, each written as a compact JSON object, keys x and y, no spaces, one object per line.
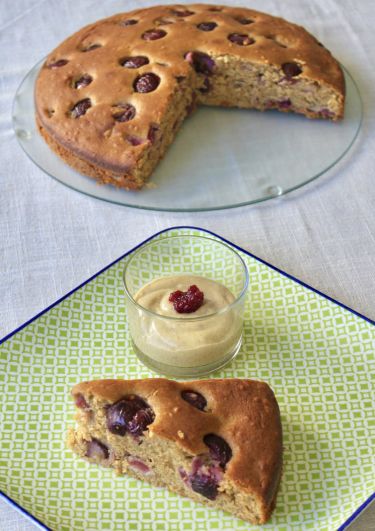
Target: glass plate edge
{"x":201,"y":209}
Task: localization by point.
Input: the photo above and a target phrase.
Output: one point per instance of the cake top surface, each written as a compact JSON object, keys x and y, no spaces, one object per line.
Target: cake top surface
{"x":103,"y":91}
{"x":243,"y":412}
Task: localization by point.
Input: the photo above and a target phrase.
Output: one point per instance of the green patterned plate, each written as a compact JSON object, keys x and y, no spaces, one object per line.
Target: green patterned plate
{"x":317,"y":355}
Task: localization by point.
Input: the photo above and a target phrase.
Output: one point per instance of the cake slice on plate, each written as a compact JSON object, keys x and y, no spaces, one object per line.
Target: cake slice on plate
{"x":218,"y":442}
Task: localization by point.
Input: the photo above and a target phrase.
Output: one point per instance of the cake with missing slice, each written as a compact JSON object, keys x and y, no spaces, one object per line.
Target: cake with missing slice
{"x":218,"y":442}
{"x":111,"y":98}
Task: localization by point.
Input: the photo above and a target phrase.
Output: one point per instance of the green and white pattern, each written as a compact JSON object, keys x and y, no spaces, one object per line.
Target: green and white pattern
{"x":317,"y":356}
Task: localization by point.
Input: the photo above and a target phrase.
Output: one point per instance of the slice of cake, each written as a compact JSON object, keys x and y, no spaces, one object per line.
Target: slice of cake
{"x":111,"y":98}
{"x":218,"y":442}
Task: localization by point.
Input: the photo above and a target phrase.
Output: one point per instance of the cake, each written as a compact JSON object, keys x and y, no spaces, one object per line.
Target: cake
{"x":218,"y":442}
{"x":111,"y":98}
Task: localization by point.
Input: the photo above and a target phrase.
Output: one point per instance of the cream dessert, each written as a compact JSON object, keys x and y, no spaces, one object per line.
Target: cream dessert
{"x":185,"y":321}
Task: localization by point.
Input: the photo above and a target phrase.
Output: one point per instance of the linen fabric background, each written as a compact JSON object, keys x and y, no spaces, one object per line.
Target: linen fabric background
{"x":53,"y":238}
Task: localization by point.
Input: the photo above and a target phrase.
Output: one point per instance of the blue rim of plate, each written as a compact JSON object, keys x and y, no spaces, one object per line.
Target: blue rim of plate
{"x":35,"y":520}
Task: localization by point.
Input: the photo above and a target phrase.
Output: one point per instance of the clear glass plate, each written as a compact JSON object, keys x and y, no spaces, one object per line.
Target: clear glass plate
{"x":221,"y":158}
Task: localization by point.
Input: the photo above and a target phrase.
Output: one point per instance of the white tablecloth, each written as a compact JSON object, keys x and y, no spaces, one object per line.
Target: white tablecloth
{"x":52,"y":238}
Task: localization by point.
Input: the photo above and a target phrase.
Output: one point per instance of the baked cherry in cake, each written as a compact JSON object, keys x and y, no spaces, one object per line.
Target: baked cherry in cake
{"x":218,"y":442}
{"x":164,"y":61}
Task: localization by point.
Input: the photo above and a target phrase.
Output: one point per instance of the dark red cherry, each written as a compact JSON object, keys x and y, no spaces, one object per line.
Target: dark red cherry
{"x":83,"y":81}
{"x":134,"y":140}
{"x":80,"y":108}
{"x":291,"y":69}
{"x":130,"y":414}
{"x":146,"y":83}
{"x":219,"y":449}
{"x":201,"y":62}
{"x":207,"y":26}
{"x":126,"y":113}
{"x":154,"y":34}
{"x":140,"y":421}
{"x":285,"y":104}
{"x":195,"y":399}
{"x":204,"y":484}
{"x":241,"y":39}
{"x":203,"y":478}
{"x":58,"y":64}
{"x":134,"y":62}
{"x":129,"y":22}
{"x":244,"y":21}
{"x":182,"y":12}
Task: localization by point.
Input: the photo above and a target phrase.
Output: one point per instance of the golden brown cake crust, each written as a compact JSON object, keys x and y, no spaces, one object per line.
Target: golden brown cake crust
{"x":244,"y":412}
{"x":86,"y":167}
{"x":98,"y":49}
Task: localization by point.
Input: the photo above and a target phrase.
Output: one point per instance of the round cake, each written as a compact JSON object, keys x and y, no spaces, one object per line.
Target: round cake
{"x":111,"y":98}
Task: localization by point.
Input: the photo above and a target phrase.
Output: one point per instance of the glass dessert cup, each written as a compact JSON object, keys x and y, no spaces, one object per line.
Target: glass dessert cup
{"x":185,"y":345}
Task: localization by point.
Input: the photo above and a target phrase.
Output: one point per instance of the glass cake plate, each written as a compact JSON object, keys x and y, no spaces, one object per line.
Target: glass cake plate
{"x":221,"y":158}
{"x":317,"y":355}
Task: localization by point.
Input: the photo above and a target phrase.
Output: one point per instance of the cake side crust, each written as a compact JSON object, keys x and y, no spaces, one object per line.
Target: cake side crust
{"x":88,"y":168}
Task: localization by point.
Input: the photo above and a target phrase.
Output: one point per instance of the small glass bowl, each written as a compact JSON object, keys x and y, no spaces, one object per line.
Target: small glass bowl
{"x":186,"y":346}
